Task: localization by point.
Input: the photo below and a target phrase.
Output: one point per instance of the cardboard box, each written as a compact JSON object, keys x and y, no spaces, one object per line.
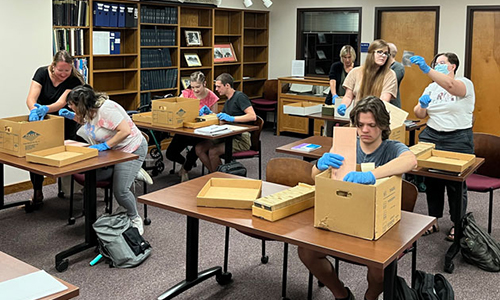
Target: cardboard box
{"x":229,"y":193}
{"x":145,"y":117}
{"x":173,"y":112}
{"x":61,"y":156}
{"x":203,"y":121}
{"x":338,"y":101}
{"x":328,"y":110}
{"x":18,"y":136}
{"x":302,"y":108}
{"x":398,"y":133}
{"x":398,"y":127}
{"x":364,"y":211}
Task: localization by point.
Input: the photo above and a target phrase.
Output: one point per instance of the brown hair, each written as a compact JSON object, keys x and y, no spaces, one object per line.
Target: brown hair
{"x":377,"y":108}
{"x":63,"y":56}
{"x":86,"y":101}
{"x":372,"y":82}
{"x":452,"y":58}
{"x":225,"y":78}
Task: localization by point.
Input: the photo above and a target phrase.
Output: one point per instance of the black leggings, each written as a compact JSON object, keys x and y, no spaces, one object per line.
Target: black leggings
{"x":178,"y":144}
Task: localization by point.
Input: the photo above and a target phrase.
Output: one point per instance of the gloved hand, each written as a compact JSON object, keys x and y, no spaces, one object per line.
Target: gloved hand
{"x":41,"y":111}
{"x":100,"y":147}
{"x":225,"y":117}
{"x":360,"y":177}
{"x":68,"y":114}
{"x":329,"y":160}
{"x":33,"y":115}
{"x":334,"y":97}
{"x":205,"y":110}
{"x":420,"y":61}
{"x":424,"y":101}
{"x":341,"y":109}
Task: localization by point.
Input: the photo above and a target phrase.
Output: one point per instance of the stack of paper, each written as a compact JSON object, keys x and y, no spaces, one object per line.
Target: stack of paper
{"x":213,"y":130}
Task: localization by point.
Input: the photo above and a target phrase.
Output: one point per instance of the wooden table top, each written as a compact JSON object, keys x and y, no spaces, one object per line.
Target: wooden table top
{"x":297,"y":229}
{"x":11,"y":268}
{"x":190,"y":131}
{"x":325,"y":142}
{"x":105,"y":158}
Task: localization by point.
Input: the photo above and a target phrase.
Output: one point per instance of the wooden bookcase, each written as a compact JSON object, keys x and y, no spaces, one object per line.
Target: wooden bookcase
{"x":125,"y":76}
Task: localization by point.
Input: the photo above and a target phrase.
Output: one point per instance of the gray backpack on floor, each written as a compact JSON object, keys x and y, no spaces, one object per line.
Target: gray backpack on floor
{"x":119,"y":242}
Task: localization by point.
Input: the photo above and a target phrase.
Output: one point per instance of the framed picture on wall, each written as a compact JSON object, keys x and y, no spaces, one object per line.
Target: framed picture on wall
{"x":192,"y":60}
{"x":186,"y":82}
{"x":224,"y":53}
{"x":193,"y":38}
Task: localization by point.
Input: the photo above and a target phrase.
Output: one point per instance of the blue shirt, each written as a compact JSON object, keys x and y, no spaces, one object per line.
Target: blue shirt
{"x":386,"y":152}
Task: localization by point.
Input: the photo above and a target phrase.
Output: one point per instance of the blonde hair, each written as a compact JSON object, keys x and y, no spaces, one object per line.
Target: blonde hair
{"x":64,"y":56}
{"x":347,"y":50}
{"x":197,"y":76}
{"x":373,"y":74}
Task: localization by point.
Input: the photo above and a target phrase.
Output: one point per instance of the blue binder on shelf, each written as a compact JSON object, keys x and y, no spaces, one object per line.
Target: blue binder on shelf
{"x":106,"y":13}
{"x":112,"y":43}
{"x":121,"y":15}
{"x":113,"y":15}
{"x":117,"y":43}
{"x":98,"y":14}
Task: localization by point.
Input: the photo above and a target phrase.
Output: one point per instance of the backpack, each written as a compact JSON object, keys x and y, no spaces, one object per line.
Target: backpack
{"x":478,"y":247}
{"x":120,"y":243}
{"x":433,"y":287}
{"x":403,"y":291}
{"x":234,"y":167}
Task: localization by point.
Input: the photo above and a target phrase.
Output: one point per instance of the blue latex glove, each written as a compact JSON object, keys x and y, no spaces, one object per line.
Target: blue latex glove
{"x":225,"y":117}
{"x":341,"y":109}
{"x":360,"y":177}
{"x":424,"y":101}
{"x":333,"y":98}
{"x":33,"y":115}
{"x":68,"y":114}
{"x":205,"y":110}
{"x":329,"y":160}
{"x":420,"y":61}
{"x":41,"y":111}
{"x":100,"y":147}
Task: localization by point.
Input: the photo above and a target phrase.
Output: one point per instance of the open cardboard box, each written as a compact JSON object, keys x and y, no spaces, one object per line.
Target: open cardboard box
{"x":302,"y":108}
{"x":397,"y":119}
{"x":229,"y":193}
{"x":284,"y":203}
{"x":61,"y":156}
{"x":173,"y":112}
{"x":364,"y":211}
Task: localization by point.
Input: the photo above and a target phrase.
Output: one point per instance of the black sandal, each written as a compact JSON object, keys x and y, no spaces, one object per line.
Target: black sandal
{"x":451,"y":235}
{"x":433,"y":229}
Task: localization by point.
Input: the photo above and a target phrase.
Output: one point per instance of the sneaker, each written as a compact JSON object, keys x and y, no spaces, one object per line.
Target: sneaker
{"x":183,"y":174}
{"x":142,"y":175}
{"x":137,"y":223}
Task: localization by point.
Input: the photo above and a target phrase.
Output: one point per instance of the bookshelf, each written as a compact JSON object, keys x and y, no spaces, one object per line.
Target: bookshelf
{"x":152,"y":57}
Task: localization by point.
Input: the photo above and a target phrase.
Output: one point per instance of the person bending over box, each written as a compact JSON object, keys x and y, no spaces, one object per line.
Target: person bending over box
{"x":390,"y":157}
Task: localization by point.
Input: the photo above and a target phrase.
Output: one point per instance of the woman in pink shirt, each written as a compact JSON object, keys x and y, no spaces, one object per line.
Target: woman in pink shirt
{"x":208,"y":104}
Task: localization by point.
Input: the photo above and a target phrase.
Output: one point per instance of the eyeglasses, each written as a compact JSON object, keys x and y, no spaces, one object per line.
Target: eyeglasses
{"x":384,"y":53}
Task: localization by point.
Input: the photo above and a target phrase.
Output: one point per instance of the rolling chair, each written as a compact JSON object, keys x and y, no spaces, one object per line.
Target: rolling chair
{"x":269,"y":101}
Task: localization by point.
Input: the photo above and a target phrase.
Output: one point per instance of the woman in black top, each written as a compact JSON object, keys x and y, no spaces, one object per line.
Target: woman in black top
{"x":48,"y":91}
{"x":337,"y":75}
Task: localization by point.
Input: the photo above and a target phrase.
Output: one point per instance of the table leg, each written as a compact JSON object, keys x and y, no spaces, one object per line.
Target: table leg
{"x":89,"y":199}
{"x":449,"y":266}
{"x":228,"y":144}
{"x":390,"y":280}
{"x":2,"y":195}
{"x":411,"y":141}
{"x":311,"y":126}
{"x":192,"y":275}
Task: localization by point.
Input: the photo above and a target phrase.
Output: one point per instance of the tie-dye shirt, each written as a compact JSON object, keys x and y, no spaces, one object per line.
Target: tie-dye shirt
{"x":103,"y":127}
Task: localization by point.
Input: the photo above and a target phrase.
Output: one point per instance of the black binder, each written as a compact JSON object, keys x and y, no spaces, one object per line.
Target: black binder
{"x":131,"y":15}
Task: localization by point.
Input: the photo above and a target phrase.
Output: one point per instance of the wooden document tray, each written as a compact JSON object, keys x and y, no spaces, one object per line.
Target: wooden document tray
{"x":203,"y":121}
{"x":446,"y":160}
{"x":146,"y":117}
{"x":285,"y":203}
{"x":61,"y":156}
{"x":229,"y":193}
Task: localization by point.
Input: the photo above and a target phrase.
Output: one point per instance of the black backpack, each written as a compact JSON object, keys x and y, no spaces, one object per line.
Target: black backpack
{"x":234,"y":167}
{"x":478,"y":247}
{"x":403,"y":291}
{"x":433,"y":287}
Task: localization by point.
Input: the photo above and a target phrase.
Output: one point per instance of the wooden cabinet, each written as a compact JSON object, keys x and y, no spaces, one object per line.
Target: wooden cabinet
{"x":287,"y":95}
{"x":152,"y":59}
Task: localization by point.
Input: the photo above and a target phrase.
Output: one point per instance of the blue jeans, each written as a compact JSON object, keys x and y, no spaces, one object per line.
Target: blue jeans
{"x":457,"y":141}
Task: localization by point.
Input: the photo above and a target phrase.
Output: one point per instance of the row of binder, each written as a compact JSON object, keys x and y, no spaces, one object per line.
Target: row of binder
{"x":106,"y":42}
{"x":163,"y":15}
{"x":155,"y":58}
{"x":115,"y":15}
{"x":82,"y":67}
{"x":70,"y":13}
{"x":145,"y":99}
{"x":158,"y":79}
{"x":69,"y":39}
{"x":157,"y":37}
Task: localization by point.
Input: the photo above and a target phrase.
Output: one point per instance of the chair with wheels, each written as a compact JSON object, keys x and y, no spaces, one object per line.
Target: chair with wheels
{"x":409,"y":195}
{"x":286,"y":171}
{"x":487,"y":177}
{"x":255,"y":148}
{"x":107,"y":185}
{"x":269,"y":101}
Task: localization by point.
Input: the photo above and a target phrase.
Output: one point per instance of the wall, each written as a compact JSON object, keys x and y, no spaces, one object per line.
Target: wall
{"x":26,"y":34}
{"x":283,"y":26}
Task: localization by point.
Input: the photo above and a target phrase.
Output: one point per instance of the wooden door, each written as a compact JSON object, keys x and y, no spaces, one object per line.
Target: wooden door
{"x":398,"y":26}
{"x":484,"y":67}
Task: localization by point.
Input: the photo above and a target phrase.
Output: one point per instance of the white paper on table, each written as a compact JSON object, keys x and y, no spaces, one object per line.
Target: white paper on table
{"x":298,"y":68}
{"x":40,"y":283}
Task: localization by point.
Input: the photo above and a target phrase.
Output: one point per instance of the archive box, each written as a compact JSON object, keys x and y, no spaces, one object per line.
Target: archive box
{"x":364,"y":211}
{"x":173,"y":112}
{"x":61,"y":156}
{"x":302,"y":108}
{"x":230,"y":193}
{"x":18,"y":136}
{"x":203,"y":121}
{"x":428,"y":157}
{"x":145,"y":117}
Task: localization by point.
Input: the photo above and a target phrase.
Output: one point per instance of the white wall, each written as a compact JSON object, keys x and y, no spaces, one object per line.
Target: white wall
{"x":283,"y":26}
{"x":25,"y":32}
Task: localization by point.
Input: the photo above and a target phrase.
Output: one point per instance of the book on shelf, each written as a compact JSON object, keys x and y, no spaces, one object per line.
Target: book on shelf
{"x":321,"y":54}
{"x":301,"y":88}
{"x":306,"y":147}
{"x":213,"y":130}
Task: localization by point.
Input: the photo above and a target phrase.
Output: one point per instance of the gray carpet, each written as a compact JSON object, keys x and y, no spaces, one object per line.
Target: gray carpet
{"x":36,"y":237}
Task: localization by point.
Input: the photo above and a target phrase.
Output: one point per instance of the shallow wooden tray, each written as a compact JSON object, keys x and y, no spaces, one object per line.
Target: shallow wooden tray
{"x":61,"y":156}
{"x":230,"y":193}
{"x":203,"y":121}
{"x":446,"y":160}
